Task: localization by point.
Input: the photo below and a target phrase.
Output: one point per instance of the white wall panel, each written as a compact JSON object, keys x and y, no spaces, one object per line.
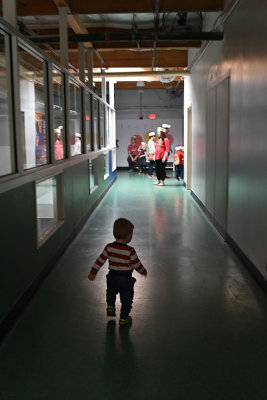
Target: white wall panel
{"x":242,"y":54}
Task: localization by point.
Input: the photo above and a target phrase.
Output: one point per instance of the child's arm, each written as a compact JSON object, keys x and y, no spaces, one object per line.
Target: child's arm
{"x":92,"y":274}
{"x":97,"y":265}
{"x":136,"y":263}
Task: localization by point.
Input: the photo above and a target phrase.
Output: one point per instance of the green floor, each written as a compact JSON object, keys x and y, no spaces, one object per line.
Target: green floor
{"x":199,"y":320}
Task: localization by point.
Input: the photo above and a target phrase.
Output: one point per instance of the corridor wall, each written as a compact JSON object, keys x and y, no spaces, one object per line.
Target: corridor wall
{"x":241,"y":58}
{"x":57,"y":160}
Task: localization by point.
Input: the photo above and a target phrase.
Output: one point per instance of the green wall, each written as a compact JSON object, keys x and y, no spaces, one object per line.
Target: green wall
{"x":22,"y":263}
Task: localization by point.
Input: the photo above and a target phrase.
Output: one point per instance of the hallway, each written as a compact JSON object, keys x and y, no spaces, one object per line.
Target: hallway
{"x":199,"y":320}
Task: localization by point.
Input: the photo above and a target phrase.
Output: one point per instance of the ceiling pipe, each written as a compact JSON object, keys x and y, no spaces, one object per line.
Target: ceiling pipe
{"x":130,"y":37}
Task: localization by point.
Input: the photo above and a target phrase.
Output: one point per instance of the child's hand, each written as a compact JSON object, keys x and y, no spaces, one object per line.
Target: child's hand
{"x":91,"y":276}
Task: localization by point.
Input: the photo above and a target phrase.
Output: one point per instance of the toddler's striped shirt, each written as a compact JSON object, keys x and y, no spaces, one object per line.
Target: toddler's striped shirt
{"x":121,"y":257}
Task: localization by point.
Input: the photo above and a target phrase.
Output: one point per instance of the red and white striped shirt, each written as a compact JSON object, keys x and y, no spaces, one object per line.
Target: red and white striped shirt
{"x":121,"y":257}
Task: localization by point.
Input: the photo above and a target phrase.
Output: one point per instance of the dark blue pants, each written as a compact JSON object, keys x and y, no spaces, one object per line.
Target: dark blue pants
{"x":160,"y":169}
{"x":124,"y":285}
{"x":150,"y":167}
{"x":179,"y":171}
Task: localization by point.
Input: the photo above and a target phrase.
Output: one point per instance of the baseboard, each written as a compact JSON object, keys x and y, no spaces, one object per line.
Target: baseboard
{"x":209,"y":215}
{"x":253,"y":270}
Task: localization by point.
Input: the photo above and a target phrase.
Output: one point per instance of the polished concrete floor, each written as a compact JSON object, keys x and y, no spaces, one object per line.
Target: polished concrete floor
{"x":199,"y":320}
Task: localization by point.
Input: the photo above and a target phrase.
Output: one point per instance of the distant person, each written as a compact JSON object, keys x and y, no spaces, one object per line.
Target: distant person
{"x":179,"y":162}
{"x":151,"y":145}
{"x":161,"y":156}
{"x":76,"y":148}
{"x":166,"y":128}
{"x":142,"y":158}
{"x":133,"y":153}
{"x":59,"y":150}
{"x":122,"y":261}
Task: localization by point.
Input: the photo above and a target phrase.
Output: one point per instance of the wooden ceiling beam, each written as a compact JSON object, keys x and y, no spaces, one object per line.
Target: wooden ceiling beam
{"x":49,"y":7}
{"x":129,"y":59}
{"x":74,"y":21}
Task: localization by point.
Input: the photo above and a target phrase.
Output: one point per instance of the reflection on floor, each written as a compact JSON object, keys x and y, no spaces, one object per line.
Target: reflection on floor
{"x":199,"y":320}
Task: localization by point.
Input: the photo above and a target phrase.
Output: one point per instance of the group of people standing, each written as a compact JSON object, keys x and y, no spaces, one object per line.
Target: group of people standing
{"x":157,"y":152}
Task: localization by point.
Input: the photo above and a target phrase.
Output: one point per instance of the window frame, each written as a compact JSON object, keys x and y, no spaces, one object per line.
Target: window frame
{"x":60,"y":208}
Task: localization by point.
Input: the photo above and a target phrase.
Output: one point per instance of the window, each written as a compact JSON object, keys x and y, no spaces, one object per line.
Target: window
{"x":58,"y":114}
{"x":112,"y":131}
{"x":7,"y":164}
{"x":88,"y":121}
{"x":106,"y":165}
{"x":113,"y":159}
{"x":96,"y":123}
{"x":106,"y":125}
{"x":33,"y":109}
{"x":48,"y":213}
{"x":102,"y":125}
{"x":75,"y":118}
{"x":93,"y":183}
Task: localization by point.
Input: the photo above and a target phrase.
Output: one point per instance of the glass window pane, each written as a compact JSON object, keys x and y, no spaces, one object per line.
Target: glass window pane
{"x":88,"y":120}
{"x":113,"y":159}
{"x":6,"y":144}
{"x":58,"y":114}
{"x":106,"y":125}
{"x":102,"y":125}
{"x":33,"y":109}
{"x":96,"y":123}
{"x":47,"y":206}
{"x":75,"y":119}
{"x":106,"y":165}
{"x":93,"y":183}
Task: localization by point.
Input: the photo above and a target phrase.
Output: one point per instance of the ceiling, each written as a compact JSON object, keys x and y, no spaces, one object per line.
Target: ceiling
{"x":142,"y":34}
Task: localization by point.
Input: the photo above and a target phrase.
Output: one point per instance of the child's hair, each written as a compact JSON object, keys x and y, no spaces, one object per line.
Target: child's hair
{"x":122,"y":227}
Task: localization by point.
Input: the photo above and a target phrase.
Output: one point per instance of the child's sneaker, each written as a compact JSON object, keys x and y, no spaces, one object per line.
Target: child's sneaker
{"x":111,"y":311}
{"x":125,"y":321}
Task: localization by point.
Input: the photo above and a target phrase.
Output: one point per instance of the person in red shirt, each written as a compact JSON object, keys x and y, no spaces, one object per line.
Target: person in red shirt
{"x":133,"y":153}
{"x":179,"y":162}
{"x":123,"y":260}
{"x":161,"y":156}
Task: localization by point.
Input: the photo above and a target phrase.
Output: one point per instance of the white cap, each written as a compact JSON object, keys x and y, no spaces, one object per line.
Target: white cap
{"x":57,"y":130}
{"x":166,"y":126}
{"x":78,"y":135}
{"x":142,"y":143}
{"x":160,"y":129}
{"x":151,"y":134}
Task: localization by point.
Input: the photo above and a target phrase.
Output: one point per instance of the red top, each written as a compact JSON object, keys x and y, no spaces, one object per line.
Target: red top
{"x":179,"y":157}
{"x":121,"y":257}
{"x":133,"y":149}
{"x":162,"y":146}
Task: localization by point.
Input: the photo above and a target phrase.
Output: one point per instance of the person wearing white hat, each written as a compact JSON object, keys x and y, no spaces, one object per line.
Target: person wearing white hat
{"x":161,"y":157}
{"x":151,"y":153}
{"x":76,"y":148}
{"x":159,"y":130}
{"x":166,"y":128}
{"x":58,"y":145}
